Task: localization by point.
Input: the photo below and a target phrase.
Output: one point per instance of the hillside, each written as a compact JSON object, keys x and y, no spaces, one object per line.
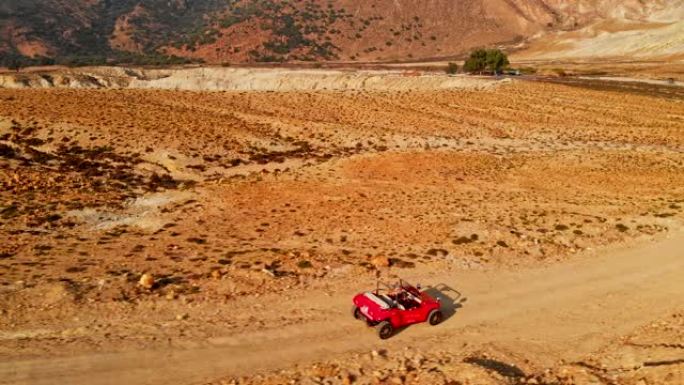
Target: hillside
{"x":620,"y":29}
{"x":220,"y":31}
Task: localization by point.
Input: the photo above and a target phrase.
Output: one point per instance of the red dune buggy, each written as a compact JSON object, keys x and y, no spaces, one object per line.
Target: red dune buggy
{"x":389,"y":308}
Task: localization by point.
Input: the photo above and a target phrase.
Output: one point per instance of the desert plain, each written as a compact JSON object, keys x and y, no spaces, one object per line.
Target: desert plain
{"x":547,"y":215}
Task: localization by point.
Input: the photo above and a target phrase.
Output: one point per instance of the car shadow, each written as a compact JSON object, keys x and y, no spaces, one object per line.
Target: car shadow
{"x":450,"y":298}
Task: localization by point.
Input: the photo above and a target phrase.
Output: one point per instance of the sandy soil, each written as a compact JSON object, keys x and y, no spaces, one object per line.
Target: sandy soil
{"x":242,"y":79}
{"x":258,"y":214}
{"x":530,"y":319}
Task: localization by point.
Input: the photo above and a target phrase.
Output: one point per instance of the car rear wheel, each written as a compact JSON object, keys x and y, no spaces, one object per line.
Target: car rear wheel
{"x":385,"y":330}
{"x":435,"y":317}
{"x":356,"y":312}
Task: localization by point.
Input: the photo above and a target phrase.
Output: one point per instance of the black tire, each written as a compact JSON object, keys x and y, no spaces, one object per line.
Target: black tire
{"x":385,"y":330}
{"x":356,"y":312}
{"x":435,"y":317}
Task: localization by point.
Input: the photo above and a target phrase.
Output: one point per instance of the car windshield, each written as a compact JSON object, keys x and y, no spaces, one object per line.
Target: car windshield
{"x":394,"y":288}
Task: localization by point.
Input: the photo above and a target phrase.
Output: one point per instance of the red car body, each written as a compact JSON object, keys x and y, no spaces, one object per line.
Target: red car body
{"x":396,"y":307}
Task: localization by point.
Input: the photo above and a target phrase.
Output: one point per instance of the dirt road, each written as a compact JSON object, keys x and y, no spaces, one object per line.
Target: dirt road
{"x":557,"y":312}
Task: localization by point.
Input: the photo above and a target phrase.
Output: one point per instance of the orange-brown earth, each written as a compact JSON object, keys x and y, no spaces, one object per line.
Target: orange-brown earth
{"x":240,"y":202}
{"x":649,"y":354}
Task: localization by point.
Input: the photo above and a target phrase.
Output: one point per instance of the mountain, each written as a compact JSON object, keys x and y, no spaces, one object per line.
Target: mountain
{"x":632,"y":29}
{"x":219,"y":31}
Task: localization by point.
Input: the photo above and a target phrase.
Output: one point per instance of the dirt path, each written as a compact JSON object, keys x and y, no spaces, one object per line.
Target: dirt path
{"x":659,"y":88}
{"x":562,"y":311}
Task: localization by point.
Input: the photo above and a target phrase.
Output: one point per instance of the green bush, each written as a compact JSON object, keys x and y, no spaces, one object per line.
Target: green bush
{"x":477,"y":62}
{"x":452,"y":68}
{"x":496,"y":60}
{"x":481,"y":60}
{"x":15,"y":61}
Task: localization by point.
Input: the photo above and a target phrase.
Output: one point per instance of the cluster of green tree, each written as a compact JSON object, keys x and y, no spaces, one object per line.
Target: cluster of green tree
{"x":301,"y":31}
{"x":77,"y":29}
{"x":80,"y":32}
{"x":452,"y":69}
{"x":90,"y":26}
{"x":16,"y":62}
{"x":303,"y":26}
{"x":177,"y":23}
{"x":486,"y":60}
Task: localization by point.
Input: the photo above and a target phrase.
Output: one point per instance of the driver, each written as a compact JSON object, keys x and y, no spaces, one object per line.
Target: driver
{"x":396,"y":290}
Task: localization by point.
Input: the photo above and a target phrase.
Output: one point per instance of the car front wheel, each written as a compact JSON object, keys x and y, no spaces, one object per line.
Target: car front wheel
{"x":356,"y":312}
{"x":385,"y":330}
{"x":435,"y":317}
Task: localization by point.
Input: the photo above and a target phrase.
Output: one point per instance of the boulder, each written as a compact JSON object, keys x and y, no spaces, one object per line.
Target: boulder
{"x":380,"y":261}
{"x":147,"y":281}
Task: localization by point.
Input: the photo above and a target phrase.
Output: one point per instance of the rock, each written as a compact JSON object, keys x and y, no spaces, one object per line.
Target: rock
{"x":147,"y":281}
{"x":304,"y":264}
{"x":380,"y":261}
{"x":216,"y":274}
{"x":181,"y":317}
{"x":628,"y":360}
{"x":341,"y":271}
{"x":348,"y":379}
{"x":171,"y":295}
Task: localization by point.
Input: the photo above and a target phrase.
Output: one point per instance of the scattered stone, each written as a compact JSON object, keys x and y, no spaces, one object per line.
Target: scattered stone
{"x":147,"y":281}
{"x":304,"y":265}
{"x":380,"y":261}
{"x":462,"y":241}
{"x":621,"y":228}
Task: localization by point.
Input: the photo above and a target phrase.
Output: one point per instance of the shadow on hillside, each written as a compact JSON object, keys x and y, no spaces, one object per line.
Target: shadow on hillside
{"x":503,"y":369}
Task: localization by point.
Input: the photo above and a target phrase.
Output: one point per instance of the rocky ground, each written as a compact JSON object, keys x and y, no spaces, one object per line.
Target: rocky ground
{"x":136,"y":219}
{"x":651,"y":354}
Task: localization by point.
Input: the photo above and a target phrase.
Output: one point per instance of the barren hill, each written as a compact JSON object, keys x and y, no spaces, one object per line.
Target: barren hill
{"x":218,"y":31}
